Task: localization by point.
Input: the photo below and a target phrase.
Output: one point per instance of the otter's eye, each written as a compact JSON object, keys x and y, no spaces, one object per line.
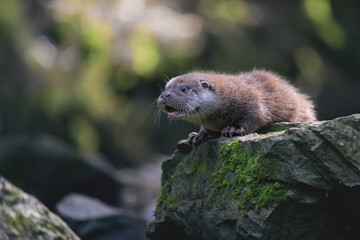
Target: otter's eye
{"x":183,"y":89}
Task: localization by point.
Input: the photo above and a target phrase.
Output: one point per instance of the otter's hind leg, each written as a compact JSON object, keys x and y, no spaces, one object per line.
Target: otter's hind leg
{"x":232,"y":131}
{"x":240,"y":127}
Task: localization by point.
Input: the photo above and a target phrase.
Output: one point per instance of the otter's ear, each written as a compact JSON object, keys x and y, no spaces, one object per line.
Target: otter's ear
{"x":205,"y":84}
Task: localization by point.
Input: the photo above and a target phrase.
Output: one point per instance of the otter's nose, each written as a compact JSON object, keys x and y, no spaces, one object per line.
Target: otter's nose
{"x":165,"y":95}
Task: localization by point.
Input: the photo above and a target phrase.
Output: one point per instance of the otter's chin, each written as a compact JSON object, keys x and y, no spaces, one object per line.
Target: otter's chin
{"x":175,"y":114}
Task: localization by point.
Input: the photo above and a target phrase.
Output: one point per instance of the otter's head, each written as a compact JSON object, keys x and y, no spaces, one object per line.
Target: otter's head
{"x":187,"y":97}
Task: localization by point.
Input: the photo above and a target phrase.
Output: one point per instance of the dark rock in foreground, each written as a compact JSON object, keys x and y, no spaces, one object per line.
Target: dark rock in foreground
{"x":299,"y":181}
{"x":22,"y":217}
{"x":93,"y":219}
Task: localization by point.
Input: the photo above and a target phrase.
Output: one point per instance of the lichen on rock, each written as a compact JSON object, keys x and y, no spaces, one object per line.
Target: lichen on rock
{"x":293,"y":182}
{"x":23,"y":217}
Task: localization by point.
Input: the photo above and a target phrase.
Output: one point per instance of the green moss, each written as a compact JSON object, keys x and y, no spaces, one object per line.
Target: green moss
{"x":18,"y":222}
{"x":53,"y":228}
{"x":166,"y":199}
{"x":265,"y":195}
{"x":173,"y":200}
{"x":198,"y":166}
{"x":251,"y":179}
{"x":248,"y":181}
{"x":208,"y":204}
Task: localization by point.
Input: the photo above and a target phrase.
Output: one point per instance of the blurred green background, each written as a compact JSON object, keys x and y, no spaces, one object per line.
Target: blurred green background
{"x":88,"y":72}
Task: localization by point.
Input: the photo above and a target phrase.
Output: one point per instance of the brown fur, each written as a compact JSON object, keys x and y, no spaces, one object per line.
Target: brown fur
{"x":233,"y":104}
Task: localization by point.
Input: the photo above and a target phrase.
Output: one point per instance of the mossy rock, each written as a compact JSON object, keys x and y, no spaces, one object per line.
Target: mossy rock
{"x":22,"y":217}
{"x":294,"y":182}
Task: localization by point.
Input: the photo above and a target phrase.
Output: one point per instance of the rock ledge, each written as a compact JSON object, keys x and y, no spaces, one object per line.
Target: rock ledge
{"x":295,"y":181}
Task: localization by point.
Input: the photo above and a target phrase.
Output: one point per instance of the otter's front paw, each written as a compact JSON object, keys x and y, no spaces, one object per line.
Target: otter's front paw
{"x":195,"y":138}
{"x":232,"y":131}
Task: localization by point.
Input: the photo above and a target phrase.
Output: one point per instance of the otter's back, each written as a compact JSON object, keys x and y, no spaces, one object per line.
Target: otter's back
{"x":279,"y":101}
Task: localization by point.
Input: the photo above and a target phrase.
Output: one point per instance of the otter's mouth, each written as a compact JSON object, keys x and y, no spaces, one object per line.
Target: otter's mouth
{"x":171,"y":111}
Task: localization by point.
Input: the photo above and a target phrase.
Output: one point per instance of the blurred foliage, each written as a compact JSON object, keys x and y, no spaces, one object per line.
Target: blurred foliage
{"x":89,"y":71}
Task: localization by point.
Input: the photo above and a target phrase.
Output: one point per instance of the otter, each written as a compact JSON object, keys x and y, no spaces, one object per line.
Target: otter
{"x":233,"y":105}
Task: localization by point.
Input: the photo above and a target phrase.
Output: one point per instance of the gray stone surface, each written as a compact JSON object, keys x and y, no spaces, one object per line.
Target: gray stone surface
{"x":92,"y":219}
{"x":290,"y":181}
{"x":22,"y":217}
